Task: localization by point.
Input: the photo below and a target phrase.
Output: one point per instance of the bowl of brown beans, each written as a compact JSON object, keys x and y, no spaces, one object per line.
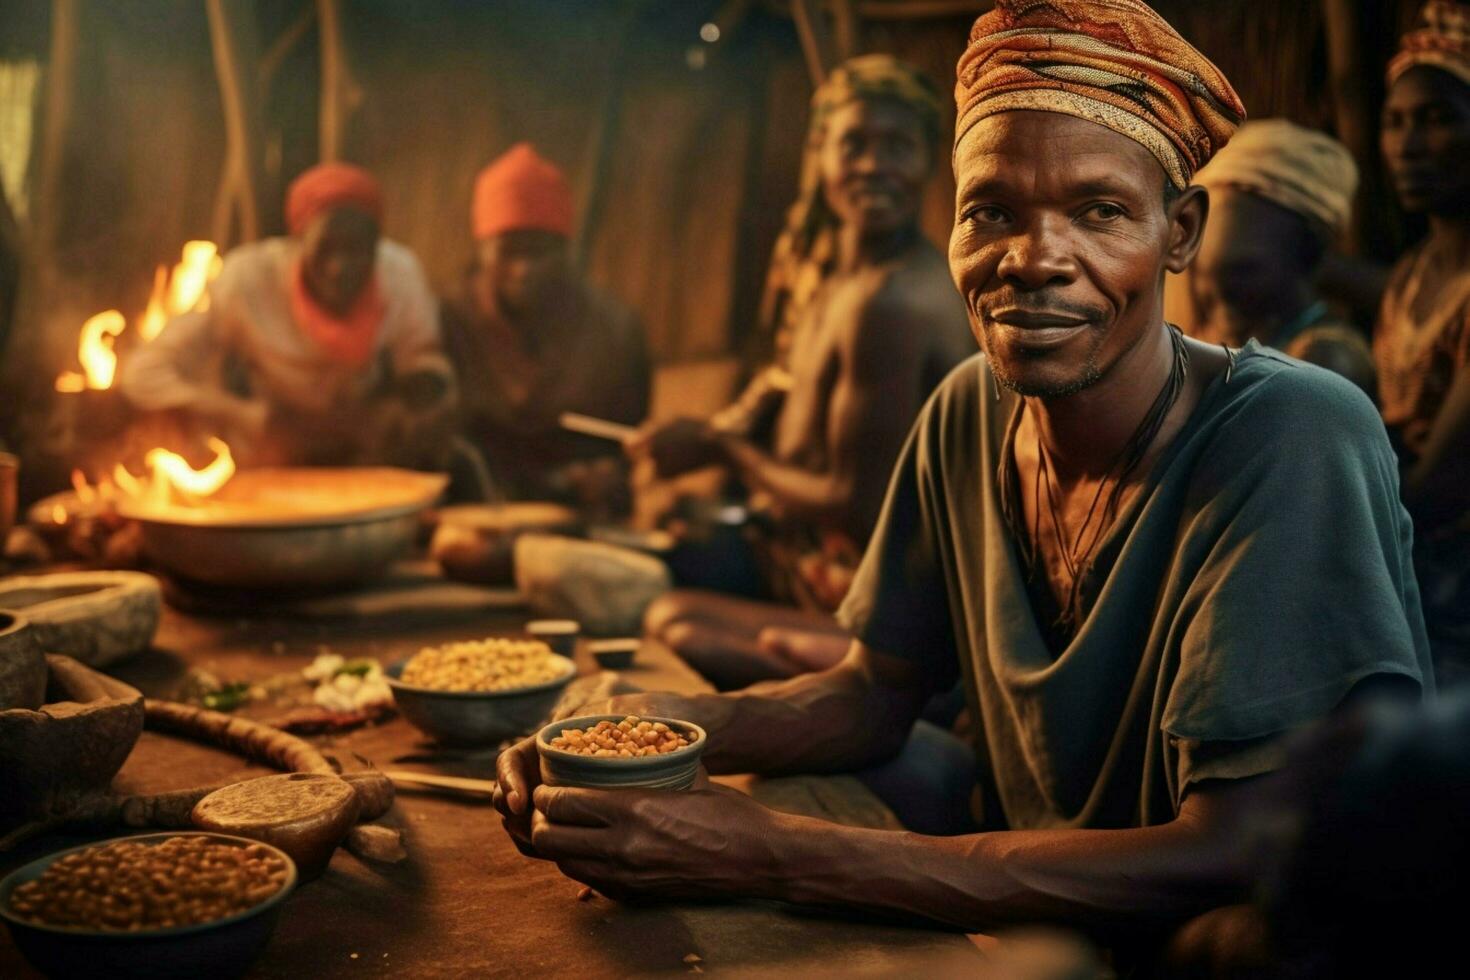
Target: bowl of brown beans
{"x":620,"y":752}
{"x":480,"y":692}
{"x":156,"y":905}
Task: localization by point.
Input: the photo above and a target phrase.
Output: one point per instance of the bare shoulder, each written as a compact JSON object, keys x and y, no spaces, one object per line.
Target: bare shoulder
{"x":913,"y":296}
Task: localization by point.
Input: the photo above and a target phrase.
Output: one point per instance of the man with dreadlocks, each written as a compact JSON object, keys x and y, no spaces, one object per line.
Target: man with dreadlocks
{"x":866,"y":324}
{"x":1142,"y":595}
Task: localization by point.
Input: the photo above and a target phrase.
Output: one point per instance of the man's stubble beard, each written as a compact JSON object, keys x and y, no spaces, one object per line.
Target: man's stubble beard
{"x":1091,"y":374}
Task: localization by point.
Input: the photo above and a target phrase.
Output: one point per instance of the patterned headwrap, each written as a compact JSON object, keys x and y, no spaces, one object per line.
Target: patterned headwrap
{"x":1112,"y":62}
{"x":1442,"y":42}
{"x":1302,"y":170}
{"x":331,"y":185}
{"x":806,"y":248}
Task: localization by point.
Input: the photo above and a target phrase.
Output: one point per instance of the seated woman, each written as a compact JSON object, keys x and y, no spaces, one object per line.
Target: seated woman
{"x":532,"y":339}
{"x":1422,"y":346}
{"x":321,"y":348}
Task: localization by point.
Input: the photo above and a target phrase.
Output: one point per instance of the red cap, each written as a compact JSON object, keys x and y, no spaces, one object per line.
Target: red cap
{"x":521,"y":190}
{"x":331,"y":185}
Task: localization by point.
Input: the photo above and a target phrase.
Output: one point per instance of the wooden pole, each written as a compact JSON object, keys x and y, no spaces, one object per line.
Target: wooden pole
{"x":1356,"y":124}
{"x":846,"y":29}
{"x":233,"y":38}
{"x":60,"y":81}
{"x":340,"y":94}
{"x":816,"y":43}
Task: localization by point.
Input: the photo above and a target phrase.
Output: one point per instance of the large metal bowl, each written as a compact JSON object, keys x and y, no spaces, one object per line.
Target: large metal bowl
{"x":289,"y":528}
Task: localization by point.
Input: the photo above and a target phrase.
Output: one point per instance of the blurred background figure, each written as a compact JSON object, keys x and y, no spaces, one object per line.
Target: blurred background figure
{"x":321,"y":348}
{"x":531,"y":339}
{"x":1422,"y":346}
{"x":867,"y":322}
{"x":1280,"y":195}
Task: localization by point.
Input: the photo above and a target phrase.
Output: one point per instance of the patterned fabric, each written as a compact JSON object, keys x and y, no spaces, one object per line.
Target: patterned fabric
{"x":521,"y":190}
{"x":331,"y":185}
{"x":1442,"y":42}
{"x":1302,"y":170}
{"x":806,"y":248}
{"x":1112,"y":62}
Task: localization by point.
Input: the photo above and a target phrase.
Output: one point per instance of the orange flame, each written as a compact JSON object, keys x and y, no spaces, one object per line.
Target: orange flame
{"x":183,"y":290}
{"x":85,"y":493}
{"x":94,"y":348}
{"x":71,"y":382}
{"x":172,"y":471}
{"x":58,"y":514}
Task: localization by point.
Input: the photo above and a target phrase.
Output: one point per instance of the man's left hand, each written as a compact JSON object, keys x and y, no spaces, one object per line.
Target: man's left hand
{"x":707,"y":842}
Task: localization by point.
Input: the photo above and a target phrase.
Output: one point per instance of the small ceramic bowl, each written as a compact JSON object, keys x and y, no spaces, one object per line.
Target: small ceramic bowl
{"x":559,"y":634}
{"x":222,"y":948}
{"x":614,"y":654}
{"x":673,"y":770}
{"x":476,"y":717}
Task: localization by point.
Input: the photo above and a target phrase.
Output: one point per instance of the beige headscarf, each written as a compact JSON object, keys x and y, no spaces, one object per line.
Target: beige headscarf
{"x":1301,"y":169}
{"x":806,"y":249}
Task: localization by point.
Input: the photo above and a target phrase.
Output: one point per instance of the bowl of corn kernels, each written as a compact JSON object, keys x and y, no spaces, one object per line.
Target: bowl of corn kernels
{"x":620,"y":752}
{"x":177,"y":904}
{"x":479,"y":692}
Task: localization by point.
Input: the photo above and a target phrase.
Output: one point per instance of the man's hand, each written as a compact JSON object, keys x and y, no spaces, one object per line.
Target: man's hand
{"x":708,"y":842}
{"x":517,"y":774}
{"x":677,"y":446}
{"x":518,"y":769}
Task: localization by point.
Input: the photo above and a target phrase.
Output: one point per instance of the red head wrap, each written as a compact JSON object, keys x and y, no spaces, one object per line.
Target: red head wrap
{"x":521,"y":190}
{"x":331,"y":185}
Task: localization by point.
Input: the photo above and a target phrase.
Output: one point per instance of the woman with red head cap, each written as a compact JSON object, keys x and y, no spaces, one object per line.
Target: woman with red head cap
{"x":318,"y":348}
{"x":532,"y":340}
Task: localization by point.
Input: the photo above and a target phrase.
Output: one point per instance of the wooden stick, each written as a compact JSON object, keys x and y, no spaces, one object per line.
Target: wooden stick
{"x":442,"y":782}
{"x":599,"y":428}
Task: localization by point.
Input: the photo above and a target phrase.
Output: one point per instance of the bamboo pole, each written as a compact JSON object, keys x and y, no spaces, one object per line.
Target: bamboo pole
{"x":233,"y":39}
{"x":816,"y":44}
{"x":339,"y":96}
{"x":846,"y":29}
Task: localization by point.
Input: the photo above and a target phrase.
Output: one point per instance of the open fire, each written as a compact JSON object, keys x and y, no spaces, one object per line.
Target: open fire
{"x":176,"y":291}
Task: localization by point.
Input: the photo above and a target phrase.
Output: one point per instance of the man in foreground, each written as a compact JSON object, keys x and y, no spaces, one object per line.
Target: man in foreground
{"x":1141,"y":594}
{"x":321,"y":348}
{"x":871,"y":326}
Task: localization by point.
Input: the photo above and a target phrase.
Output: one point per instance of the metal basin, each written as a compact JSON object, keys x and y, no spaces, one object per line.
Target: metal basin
{"x":288,"y":528}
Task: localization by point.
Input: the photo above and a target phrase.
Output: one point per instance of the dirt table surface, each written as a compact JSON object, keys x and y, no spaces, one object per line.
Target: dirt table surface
{"x":465,"y":902}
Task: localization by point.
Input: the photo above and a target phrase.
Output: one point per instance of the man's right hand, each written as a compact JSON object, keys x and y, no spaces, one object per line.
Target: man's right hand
{"x":676,"y":446}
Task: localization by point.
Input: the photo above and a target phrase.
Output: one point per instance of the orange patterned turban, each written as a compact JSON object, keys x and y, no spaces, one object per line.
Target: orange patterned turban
{"x":1442,"y":42}
{"x":331,"y":185}
{"x":1112,"y":62}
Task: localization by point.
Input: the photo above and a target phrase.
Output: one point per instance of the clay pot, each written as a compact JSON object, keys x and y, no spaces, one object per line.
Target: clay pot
{"x":71,"y":746}
{"x":22,"y":667}
{"x":476,"y":542}
{"x":94,"y":617}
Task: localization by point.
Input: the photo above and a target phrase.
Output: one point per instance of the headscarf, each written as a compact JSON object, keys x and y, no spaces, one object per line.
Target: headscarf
{"x":328,"y":186}
{"x":1442,"y":42}
{"x":521,"y":190}
{"x":806,"y":248}
{"x":1112,"y":62}
{"x":1301,"y":169}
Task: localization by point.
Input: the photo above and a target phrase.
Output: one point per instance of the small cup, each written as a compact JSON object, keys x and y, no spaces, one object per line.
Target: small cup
{"x":614,"y":654}
{"x":559,"y":634}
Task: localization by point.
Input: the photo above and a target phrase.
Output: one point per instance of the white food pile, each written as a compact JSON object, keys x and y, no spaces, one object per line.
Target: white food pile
{"x":357,"y":689}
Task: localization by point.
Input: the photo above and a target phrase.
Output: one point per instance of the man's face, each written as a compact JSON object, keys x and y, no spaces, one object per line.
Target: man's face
{"x":1425,"y":138}
{"x":874,"y":161}
{"x":338,"y":250}
{"x":1251,"y":267}
{"x":517,"y":269}
{"x":1060,"y":240}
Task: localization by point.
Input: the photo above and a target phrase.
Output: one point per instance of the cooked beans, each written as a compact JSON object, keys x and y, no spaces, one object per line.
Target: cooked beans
{"x":494,"y":664}
{"x":628,"y":739}
{"x":128,"y":886}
